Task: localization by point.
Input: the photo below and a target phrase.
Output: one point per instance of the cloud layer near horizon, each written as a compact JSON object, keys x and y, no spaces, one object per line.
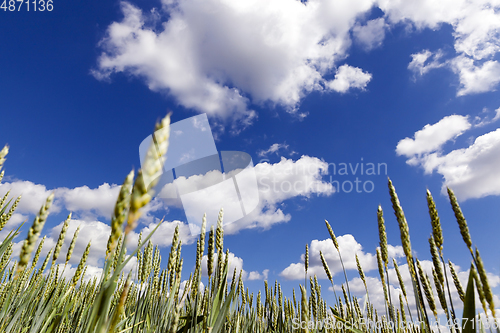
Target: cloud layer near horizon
{"x":277,"y":182}
{"x":349,"y":248}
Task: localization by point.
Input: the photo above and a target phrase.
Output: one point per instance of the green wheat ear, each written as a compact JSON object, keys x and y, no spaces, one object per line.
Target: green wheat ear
{"x":81,"y":266}
{"x":3,"y":153}
{"x":456,"y":281}
{"x":149,"y":173}
{"x":462,"y":223}
{"x":5,"y":217}
{"x":437,"y":232}
{"x":210,"y":258}
{"x":33,"y":234}
{"x":72,"y":245}
{"x":325,"y":267}
{"x":488,"y":295}
{"x":60,"y":240}
{"x":383,"y":236}
{"x":120,"y":213}
{"x":469,"y":313}
{"x":332,"y":235}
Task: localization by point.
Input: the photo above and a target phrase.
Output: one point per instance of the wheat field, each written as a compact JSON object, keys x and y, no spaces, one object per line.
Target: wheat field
{"x":35,"y":297}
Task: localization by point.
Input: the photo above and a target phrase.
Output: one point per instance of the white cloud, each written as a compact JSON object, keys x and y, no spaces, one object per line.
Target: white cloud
{"x":421,"y":63}
{"x":486,"y":119}
{"x":475,"y":27}
{"x":163,"y":235}
{"x":94,"y":202}
{"x":497,"y":115}
{"x":33,"y":196}
{"x":349,"y":247}
{"x":476,"y":78}
{"x":211,"y":57}
{"x":211,"y":54}
{"x":276,"y":183}
{"x":471,"y":172}
{"x":255,"y":275}
{"x":348,"y":77}
{"x":15,"y":220}
{"x":282,"y":181}
{"x":275,"y":147}
{"x":90,"y":231}
{"x":370,"y":35}
{"x":374,"y":285}
{"x":432,"y":137}
{"x":86,"y":203}
{"x":234,"y":263}
{"x":100,"y":201}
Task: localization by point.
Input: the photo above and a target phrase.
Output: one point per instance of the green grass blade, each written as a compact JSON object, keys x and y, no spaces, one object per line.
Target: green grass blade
{"x":469,"y":314}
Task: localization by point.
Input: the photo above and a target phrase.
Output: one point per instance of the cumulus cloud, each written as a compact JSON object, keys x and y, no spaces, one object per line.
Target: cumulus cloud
{"x":95,"y":232}
{"x":234,"y":263}
{"x":497,"y":115}
{"x":370,"y":35}
{"x":432,"y":137}
{"x":96,"y":202}
{"x":348,"y":77}
{"x":86,"y":203}
{"x":255,"y":275}
{"x":348,"y":246}
{"x":475,"y":27}
{"x":163,"y":235}
{"x":424,"y":61}
{"x":476,"y":78}
{"x":276,"y":183}
{"x":33,"y":196}
{"x":281,"y":181}
{"x":472,"y":172}
{"x":100,"y":201}
{"x":486,"y":118}
{"x":212,"y":58}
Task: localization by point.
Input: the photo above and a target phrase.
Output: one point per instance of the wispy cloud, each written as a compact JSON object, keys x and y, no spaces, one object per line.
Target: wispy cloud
{"x":274,"y":148}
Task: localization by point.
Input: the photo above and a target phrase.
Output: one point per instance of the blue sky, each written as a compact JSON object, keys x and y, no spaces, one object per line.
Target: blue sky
{"x":410,"y":85}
